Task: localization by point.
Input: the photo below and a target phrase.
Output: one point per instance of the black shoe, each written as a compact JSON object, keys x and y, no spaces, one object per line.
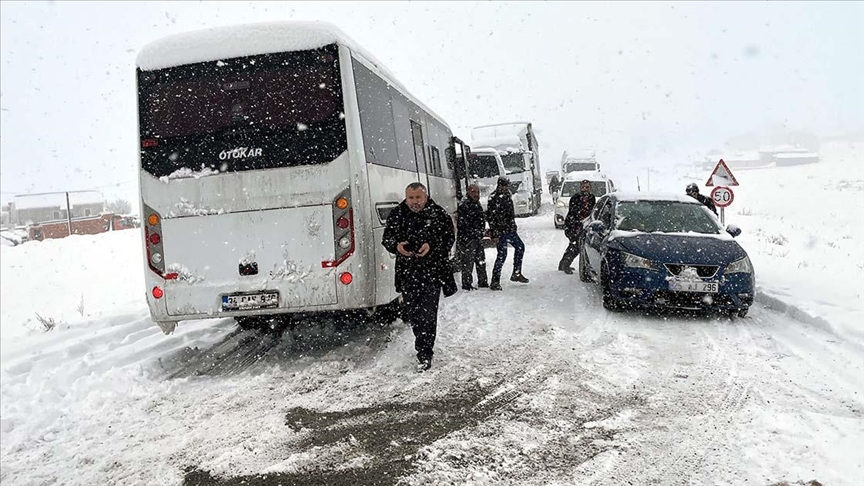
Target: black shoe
{"x":483,"y":285}
{"x":424,"y":365}
{"x":495,"y":286}
{"x":569,"y":270}
{"x":468,"y":288}
{"x":518,"y":277}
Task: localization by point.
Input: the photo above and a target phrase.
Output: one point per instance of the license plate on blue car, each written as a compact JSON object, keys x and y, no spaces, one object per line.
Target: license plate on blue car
{"x":694,"y":286}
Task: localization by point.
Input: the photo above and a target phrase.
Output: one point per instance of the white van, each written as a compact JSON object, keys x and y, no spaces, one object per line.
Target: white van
{"x":600,"y":185}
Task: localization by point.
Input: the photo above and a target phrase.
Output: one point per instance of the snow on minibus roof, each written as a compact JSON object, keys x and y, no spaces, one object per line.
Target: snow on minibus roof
{"x":242,"y":40}
{"x":237,"y":41}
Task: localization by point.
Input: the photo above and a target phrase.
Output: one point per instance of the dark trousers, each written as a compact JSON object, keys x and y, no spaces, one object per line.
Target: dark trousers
{"x":471,"y":254}
{"x":421,"y":312}
{"x":570,"y":254}
{"x":513,"y":239}
{"x":572,"y":251}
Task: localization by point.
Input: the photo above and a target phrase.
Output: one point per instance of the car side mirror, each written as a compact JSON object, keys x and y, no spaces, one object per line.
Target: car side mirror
{"x":733,"y":230}
{"x":597,"y":226}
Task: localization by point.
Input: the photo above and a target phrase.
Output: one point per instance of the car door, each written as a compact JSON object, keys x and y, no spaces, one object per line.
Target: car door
{"x":595,"y":241}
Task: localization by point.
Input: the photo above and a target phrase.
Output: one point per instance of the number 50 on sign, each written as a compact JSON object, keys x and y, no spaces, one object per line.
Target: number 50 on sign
{"x":722,"y":196}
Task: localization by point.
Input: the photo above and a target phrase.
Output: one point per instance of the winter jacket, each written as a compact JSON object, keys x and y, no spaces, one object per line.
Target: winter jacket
{"x":432,"y":225}
{"x":470,"y":220}
{"x":554,"y":185}
{"x":500,"y":213}
{"x":707,"y":202}
{"x":580,"y":208}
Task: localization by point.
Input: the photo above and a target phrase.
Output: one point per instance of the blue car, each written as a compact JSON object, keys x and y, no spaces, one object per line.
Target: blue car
{"x":664,"y":251}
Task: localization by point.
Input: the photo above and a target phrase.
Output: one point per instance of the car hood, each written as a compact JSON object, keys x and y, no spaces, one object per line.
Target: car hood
{"x":679,"y":248}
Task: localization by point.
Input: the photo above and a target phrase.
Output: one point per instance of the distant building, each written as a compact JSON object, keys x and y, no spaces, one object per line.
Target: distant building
{"x":49,"y":207}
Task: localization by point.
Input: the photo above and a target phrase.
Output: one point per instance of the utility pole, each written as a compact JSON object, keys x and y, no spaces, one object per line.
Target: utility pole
{"x":68,"y":214}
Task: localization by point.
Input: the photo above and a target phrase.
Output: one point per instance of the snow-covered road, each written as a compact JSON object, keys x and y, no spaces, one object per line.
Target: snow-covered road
{"x":534,"y":385}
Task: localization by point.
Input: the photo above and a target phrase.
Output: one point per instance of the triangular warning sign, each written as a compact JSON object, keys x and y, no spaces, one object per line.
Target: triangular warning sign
{"x":721,"y":176}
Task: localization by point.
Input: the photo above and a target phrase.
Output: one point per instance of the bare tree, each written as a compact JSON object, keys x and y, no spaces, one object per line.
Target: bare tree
{"x":120,"y":206}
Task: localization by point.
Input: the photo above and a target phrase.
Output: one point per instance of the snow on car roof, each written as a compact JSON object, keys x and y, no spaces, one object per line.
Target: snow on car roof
{"x":483,"y":150}
{"x":57,"y":199}
{"x":581,"y":175}
{"x":653,"y":196}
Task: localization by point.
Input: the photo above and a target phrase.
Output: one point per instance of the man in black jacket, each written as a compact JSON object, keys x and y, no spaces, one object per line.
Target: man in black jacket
{"x":420,"y":233}
{"x":502,"y":229}
{"x":580,"y":208}
{"x":470,"y":226}
{"x":554,"y":186}
{"x":693,"y":191}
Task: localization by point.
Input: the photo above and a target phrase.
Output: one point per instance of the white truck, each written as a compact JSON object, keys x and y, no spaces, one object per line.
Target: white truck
{"x":518,"y":149}
{"x":583,"y":160}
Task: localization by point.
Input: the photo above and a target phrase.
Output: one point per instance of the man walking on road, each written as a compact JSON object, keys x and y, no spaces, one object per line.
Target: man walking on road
{"x":580,"y":208}
{"x":554,"y":187}
{"x":502,"y":229}
{"x":693,"y":191}
{"x":470,"y":226}
{"x":420,"y":233}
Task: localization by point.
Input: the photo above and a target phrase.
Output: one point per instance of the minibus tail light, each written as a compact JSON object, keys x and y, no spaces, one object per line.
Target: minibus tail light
{"x":343,"y":230}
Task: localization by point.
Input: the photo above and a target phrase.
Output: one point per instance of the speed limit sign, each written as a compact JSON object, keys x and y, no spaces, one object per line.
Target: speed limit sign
{"x":722,"y":196}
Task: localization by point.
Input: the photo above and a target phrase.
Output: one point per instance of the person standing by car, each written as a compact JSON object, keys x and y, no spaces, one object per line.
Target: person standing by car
{"x":693,"y":191}
{"x":420,"y":233}
{"x":502,"y":228}
{"x":580,"y":208}
{"x":470,"y":226}
{"x":554,"y":187}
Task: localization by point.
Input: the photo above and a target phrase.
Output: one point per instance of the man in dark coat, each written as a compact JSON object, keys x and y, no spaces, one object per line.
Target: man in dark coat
{"x":693,"y":191}
{"x":554,"y":186}
{"x":420,"y":233}
{"x":470,"y":227}
{"x":580,"y":208}
{"x":502,"y":229}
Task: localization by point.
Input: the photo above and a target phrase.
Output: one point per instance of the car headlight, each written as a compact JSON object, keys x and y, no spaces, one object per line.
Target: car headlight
{"x":560,"y":204}
{"x":741,"y":266}
{"x":633,"y":261}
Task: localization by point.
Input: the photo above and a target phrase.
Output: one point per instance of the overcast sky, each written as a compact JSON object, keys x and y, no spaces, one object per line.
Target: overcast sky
{"x":625,"y":78}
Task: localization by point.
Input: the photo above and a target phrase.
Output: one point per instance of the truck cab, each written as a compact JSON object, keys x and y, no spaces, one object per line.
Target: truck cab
{"x":517,"y":147}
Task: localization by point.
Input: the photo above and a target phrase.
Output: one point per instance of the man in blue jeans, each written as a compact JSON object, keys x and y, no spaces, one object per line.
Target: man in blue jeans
{"x":502,"y":229}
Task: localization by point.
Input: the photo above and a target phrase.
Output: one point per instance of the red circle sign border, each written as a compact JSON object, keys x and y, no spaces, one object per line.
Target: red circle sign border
{"x":731,"y":198}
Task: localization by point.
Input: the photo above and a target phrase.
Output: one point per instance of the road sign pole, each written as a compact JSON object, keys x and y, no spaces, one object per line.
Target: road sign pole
{"x":68,"y":215}
{"x":723,"y":216}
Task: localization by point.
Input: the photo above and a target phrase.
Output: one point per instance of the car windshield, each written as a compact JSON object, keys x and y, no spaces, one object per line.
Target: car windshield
{"x":513,"y":162}
{"x":580,"y":166}
{"x":665,"y":217}
{"x":571,"y":188}
{"x":483,"y":166}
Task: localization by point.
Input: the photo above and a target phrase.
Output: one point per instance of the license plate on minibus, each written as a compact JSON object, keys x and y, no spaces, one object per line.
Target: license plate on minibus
{"x":261,"y":300}
{"x":685,"y":286}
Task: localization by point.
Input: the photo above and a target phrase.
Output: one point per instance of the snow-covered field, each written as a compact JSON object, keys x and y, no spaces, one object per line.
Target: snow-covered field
{"x":534,"y":385}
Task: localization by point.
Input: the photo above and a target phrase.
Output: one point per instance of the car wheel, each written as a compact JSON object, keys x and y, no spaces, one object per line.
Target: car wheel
{"x":584,"y":274}
{"x":609,"y":301}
